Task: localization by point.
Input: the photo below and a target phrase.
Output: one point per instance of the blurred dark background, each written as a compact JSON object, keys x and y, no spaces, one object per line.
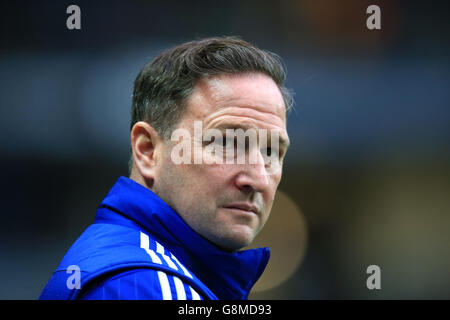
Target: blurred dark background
{"x":369,"y":164}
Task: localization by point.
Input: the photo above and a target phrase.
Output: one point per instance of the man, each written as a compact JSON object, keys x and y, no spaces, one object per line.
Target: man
{"x":173,"y":230}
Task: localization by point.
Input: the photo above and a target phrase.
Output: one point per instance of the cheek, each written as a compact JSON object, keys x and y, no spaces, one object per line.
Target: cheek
{"x":172,"y":180}
{"x":269,"y":196}
{"x":195,"y":186}
{"x":274,"y":181}
{"x":212,"y":180}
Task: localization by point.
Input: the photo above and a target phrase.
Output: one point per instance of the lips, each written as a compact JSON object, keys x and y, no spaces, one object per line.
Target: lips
{"x":243,"y":207}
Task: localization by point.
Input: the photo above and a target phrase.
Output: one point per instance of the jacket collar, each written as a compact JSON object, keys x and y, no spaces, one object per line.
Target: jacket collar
{"x":228,"y":275}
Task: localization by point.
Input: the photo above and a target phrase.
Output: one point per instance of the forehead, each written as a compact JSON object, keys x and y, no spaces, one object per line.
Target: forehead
{"x":251,"y":99}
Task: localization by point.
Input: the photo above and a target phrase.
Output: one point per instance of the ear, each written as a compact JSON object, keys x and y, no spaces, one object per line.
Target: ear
{"x":145,"y":144}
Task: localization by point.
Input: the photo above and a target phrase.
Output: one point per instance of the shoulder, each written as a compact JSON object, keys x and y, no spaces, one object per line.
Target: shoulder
{"x":131,"y":264}
{"x":139,"y":284}
{"x":102,"y":245}
{"x":116,"y":262}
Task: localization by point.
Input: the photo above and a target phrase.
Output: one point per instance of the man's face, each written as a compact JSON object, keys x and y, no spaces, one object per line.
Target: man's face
{"x":227,"y":204}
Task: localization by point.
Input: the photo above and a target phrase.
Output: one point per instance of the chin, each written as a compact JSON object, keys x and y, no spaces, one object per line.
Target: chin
{"x":237,"y":240}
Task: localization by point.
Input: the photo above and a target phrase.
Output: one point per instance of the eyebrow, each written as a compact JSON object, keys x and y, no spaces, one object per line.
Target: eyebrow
{"x":284,"y":142}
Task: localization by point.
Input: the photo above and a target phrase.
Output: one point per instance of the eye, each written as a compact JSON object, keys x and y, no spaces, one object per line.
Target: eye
{"x":228,"y":142}
{"x":269,"y":151}
{"x":218,"y":140}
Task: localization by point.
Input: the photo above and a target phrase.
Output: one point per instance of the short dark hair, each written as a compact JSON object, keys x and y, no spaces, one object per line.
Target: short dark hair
{"x":164,"y":84}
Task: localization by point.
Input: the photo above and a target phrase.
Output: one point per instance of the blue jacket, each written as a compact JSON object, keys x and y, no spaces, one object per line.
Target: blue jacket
{"x":140,"y":248}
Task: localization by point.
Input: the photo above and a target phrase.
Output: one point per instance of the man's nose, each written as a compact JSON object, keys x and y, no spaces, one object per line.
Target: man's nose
{"x":253,"y":177}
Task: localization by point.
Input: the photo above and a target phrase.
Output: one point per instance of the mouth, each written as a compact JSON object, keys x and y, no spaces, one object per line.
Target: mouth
{"x":244,"y":208}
